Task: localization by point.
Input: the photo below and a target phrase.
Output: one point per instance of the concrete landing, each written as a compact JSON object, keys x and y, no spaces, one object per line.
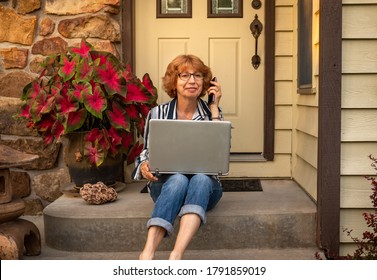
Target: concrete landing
{"x":280,"y":217}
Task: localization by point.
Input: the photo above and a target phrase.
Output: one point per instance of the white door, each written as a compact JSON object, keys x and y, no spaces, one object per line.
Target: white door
{"x":224,"y":44}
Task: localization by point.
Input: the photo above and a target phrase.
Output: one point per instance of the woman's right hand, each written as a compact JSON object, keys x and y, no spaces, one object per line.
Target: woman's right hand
{"x":145,"y":172}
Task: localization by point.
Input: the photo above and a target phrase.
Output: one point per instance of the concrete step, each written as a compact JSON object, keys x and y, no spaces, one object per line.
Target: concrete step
{"x":282,"y":216}
{"x":48,"y":253}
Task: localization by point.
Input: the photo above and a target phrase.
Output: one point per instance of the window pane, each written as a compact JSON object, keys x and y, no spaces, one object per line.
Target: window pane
{"x":225,"y":6}
{"x":305,"y":43}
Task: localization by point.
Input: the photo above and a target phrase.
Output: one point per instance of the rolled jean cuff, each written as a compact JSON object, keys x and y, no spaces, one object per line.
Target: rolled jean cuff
{"x":193,"y":209}
{"x":161,"y":223}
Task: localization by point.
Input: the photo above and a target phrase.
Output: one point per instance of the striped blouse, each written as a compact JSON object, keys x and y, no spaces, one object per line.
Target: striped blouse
{"x":168,"y":111}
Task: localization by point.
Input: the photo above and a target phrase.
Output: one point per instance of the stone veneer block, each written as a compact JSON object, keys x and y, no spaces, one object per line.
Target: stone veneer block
{"x":100,"y":26}
{"x":15,"y":28}
{"x":46,"y":26}
{"x":12,"y":84}
{"x":14,"y":58}
{"x":27,"y":6}
{"x":49,"y":46}
{"x":9,"y":125}
{"x":73,"y":7}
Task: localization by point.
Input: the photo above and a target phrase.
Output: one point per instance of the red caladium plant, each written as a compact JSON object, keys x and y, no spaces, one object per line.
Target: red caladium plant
{"x":89,"y":90}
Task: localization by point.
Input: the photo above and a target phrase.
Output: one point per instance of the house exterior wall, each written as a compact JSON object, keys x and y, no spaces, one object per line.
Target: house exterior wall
{"x":296,"y":114}
{"x":359,"y":114}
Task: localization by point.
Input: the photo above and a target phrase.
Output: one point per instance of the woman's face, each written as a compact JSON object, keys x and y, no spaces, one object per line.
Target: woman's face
{"x":189,"y":83}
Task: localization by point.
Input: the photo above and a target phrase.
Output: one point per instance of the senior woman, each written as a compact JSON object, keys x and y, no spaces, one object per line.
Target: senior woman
{"x":186,"y":80}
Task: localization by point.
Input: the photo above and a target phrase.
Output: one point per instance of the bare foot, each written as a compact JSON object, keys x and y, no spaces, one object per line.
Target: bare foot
{"x":146,"y":256}
{"x":175,"y":256}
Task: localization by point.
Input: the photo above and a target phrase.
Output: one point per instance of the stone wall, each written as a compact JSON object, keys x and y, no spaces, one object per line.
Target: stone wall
{"x":30,"y":30}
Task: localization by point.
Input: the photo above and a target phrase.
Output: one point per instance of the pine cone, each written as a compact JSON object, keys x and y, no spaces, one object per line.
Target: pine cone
{"x":98,"y":193}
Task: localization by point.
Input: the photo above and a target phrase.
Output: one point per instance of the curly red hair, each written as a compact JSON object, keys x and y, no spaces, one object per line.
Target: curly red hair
{"x":179,"y":65}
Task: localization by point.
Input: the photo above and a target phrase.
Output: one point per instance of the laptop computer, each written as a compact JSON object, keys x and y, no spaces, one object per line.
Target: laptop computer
{"x":189,"y":147}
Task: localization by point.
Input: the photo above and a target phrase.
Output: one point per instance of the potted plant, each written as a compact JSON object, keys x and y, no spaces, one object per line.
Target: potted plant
{"x":91,"y":94}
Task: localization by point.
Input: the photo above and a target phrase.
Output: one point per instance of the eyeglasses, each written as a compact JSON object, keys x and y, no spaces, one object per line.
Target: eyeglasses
{"x":185,"y":76}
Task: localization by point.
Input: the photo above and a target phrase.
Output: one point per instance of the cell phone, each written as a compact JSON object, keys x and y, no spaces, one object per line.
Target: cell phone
{"x":211,"y":97}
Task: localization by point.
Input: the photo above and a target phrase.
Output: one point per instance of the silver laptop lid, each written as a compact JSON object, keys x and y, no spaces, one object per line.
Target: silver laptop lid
{"x":189,"y":147}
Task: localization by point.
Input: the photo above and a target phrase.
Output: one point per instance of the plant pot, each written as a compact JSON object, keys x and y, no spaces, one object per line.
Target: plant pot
{"x":82,"y":172}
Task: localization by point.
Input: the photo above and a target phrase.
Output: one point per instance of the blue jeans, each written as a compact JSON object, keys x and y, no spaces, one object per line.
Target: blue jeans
{"x":177,"y":195}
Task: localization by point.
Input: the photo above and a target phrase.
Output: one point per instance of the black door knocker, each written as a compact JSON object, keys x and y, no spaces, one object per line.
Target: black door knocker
{"x":256,"y":29}
{"x":256,"y":4}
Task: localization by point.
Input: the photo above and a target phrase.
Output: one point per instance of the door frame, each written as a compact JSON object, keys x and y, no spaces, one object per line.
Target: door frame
{"x":128,"y":55}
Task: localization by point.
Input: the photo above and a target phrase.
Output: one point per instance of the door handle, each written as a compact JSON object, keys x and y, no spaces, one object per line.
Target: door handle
{"x":256,"y":28}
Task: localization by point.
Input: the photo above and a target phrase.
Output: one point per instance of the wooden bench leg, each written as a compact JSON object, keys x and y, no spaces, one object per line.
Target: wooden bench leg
{"x":17,"y":235}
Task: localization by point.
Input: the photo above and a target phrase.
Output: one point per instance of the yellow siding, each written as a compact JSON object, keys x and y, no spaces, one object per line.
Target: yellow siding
{"x":307,"y":100}
{"x":305,"y":119}
{"x":359,"y":91}
{"x":359,"y":115}
{"x":347,"y":248}
{"x":283,"y":117}
{"x":355,"y":192}
{"x":359,"y":125}
{"x":283,"y":68}
{"x":306,"y":175}
{"x":283,"y":141}
{"x":283,"y":92}
{"x":356,"y":26}
{"x":359,"y":2}
{"x":352,"y":219}
{"x":283,"y":2}
{"x":359,"y":56}
{"x":284,"y":18}
{"x":284,"y":43}
{"x":354,"y":158}
{"x":280,"y":167}
{"x":307,"y":148}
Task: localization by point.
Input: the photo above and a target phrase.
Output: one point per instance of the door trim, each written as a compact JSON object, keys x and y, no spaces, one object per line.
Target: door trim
{"x":128,"y":32}
{"x":269,"y":87}
{"x":128,"y":55}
